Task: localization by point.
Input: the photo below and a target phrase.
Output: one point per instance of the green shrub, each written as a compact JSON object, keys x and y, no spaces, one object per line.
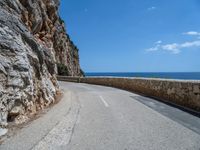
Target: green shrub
{"x":62,"y":70}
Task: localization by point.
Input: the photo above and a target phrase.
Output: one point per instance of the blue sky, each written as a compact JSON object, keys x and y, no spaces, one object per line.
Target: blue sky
{"x":135,"y":35}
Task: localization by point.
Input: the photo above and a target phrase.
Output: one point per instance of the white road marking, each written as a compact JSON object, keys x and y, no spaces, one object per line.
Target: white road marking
{"x":104,"y":101}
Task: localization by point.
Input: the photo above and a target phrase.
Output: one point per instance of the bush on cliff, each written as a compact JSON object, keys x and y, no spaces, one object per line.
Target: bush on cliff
{"x":62,"y":70}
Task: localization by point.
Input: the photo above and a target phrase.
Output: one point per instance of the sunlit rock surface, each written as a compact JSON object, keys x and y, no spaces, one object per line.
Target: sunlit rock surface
{"x":32,"y":40}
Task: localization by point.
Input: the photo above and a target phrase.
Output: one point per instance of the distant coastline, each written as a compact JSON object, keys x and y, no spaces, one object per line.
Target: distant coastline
{"x":164,"y":75}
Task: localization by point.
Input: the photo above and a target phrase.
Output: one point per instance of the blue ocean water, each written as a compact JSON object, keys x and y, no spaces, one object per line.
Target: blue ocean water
{"x":164,"y":75}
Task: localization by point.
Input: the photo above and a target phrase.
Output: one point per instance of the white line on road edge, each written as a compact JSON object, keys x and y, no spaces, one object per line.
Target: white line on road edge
{"x":104,"y":102}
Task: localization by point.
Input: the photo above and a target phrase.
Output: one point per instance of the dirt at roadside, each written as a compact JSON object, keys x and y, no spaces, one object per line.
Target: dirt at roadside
{"x":14,"y":128}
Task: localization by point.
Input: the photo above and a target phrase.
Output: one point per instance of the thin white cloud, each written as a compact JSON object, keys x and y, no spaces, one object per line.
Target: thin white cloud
{"x":155,"y":48}
{"x":158,"y":42}
{"x":190,"y":44}
{"x":192,"y":33}
{"x":175,"y":48}
{"x":151,"y":8}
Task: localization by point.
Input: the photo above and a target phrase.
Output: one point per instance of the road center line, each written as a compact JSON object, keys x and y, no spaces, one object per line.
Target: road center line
{"x":104,"y":101}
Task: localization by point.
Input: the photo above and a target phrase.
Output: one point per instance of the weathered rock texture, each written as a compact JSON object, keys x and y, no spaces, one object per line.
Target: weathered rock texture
{"x":182,"y":92}
{"x":32,"y":41}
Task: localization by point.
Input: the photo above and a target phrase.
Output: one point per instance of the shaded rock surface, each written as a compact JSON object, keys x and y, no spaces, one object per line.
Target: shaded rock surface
{"x":32,"y":40}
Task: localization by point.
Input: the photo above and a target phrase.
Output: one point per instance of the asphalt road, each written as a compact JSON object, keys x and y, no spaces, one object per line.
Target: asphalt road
{"x":91,"y":117}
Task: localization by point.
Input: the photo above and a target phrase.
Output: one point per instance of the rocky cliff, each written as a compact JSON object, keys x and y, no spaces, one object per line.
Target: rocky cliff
{"x":32,"y":41}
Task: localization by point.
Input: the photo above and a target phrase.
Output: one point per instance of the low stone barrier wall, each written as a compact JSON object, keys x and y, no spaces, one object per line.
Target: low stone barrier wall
{"x":68,"y":79}
{"x":185,"y":93}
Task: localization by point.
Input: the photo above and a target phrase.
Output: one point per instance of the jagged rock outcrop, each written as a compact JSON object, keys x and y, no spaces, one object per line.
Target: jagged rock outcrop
{"x":32,"y":40}
{"x":66,"y":51}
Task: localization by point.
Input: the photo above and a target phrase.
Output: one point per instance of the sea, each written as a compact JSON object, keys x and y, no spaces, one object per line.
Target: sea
{"x":164,"y":75}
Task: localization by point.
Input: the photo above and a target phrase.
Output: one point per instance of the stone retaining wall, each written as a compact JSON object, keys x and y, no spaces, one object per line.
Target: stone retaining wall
{"x":185,"y":93}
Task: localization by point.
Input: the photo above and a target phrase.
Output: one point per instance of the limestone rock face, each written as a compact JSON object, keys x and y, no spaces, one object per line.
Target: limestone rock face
{"x":32,"y":40}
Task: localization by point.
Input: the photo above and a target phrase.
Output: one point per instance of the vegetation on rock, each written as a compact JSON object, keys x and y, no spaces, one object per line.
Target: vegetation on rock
{"x":62,"y":70}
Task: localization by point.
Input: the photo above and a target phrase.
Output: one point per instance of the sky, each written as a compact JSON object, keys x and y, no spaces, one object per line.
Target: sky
{"x":135,"y":35}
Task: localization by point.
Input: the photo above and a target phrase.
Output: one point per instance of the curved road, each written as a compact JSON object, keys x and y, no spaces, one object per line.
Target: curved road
{"x":91,"y":117}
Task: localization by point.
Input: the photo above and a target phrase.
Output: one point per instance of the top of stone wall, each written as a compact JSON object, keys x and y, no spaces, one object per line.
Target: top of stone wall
{"x":153,"y":79}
